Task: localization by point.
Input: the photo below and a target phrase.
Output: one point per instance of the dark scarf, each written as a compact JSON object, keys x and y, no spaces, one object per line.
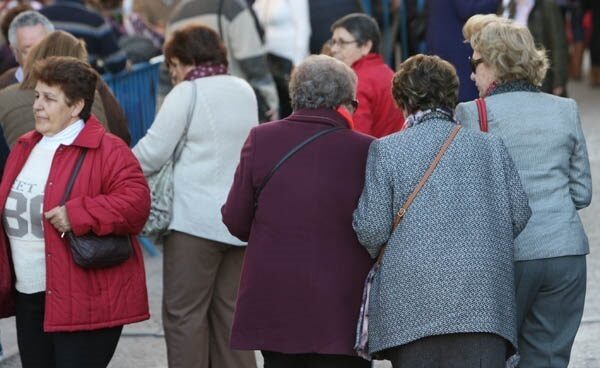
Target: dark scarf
{"x":519,"y":85}
{"x":205,"y":70}
{"x":422,"y":116}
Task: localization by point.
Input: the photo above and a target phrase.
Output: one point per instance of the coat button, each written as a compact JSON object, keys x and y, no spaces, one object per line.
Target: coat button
{"x":49,"y":292}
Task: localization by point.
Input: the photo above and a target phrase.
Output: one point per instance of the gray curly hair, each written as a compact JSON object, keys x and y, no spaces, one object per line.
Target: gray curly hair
{"x":322,"y":82}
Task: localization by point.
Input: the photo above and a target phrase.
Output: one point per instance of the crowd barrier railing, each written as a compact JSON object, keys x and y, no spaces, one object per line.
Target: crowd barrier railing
{"x":135,"y":89}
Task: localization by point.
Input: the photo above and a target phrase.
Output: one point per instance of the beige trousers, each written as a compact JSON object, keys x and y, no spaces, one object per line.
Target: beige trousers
{"x":201,"y":278}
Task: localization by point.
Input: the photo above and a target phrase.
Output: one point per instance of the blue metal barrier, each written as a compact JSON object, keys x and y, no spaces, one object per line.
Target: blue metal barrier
{"x":386,"y":27}
{"x":135,"y":90}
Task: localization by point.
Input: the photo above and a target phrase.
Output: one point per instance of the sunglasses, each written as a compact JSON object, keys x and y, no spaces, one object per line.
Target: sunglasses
{"x":474,"y":64}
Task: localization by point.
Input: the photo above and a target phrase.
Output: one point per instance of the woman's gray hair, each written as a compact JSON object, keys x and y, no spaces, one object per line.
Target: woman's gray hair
{"x":322,"y":82}
{"x":28,"y":18}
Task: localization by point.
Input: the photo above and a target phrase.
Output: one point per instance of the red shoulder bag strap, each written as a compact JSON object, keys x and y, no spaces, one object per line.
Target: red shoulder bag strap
{"x":482,"y":110}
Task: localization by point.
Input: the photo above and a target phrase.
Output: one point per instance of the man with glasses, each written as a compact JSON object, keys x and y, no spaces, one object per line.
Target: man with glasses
{"x":355,"y":42}
{"x":24,"y":32}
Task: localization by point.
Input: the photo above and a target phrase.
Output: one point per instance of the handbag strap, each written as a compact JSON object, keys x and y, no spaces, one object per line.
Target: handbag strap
{"x":287,"y":156}
{"x":183,"y":139}
{"x":73,"y":176}
{"x":402,"y":211}
{"x":482,"y":111}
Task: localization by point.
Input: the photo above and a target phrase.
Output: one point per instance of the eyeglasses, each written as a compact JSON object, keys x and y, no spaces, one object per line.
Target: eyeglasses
{"x":340,"y":42}
{"x":474,"y":64}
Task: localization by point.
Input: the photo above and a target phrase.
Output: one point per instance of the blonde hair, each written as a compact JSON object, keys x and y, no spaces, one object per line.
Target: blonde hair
{"x":57,"y":43}
{"x":507,"y":47}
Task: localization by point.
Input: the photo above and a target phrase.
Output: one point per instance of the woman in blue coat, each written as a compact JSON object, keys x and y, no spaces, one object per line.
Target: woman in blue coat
{"x":445,"y":39}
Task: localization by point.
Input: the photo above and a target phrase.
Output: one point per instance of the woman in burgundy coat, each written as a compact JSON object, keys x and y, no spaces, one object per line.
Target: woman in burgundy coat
{"x":304,"y":269}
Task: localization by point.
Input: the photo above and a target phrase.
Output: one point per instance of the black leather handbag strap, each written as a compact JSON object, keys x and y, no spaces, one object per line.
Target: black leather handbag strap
{"x":288,"y":156}
{"x":73,"y":176}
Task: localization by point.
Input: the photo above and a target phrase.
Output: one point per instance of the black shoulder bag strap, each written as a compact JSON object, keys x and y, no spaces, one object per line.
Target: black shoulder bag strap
{"x":288,"y":156}
{"x":73,"y":176}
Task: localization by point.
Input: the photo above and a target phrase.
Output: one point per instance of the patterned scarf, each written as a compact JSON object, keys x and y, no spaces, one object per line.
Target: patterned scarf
{"x":519,"y":85}
{"x":422,"y":116}
{"x":205,"y":70}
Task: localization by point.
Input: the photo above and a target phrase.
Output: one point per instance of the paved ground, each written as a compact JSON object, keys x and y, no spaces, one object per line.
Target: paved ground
{"x":143,"y":345}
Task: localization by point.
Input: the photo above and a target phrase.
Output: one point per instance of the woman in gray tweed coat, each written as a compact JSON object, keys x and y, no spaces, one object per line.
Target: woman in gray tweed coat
{"x":544,"y":138}
{"x":443,"y":296}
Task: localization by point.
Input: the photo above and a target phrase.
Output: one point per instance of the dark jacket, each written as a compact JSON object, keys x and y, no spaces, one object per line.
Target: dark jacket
{"x":74,"y":17}
{"x":322,"y":15}
{"x":110,"y":196}
{"x":445,"y":39}
{"x":8,"y":77}
{"x":301,"y":285}
{"x":547,"y":27}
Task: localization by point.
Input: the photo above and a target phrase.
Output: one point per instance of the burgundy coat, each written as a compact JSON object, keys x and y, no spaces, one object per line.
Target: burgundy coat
{"x":110,"y":196}
{"x":377,"y":115}
{"x":303,"y":274}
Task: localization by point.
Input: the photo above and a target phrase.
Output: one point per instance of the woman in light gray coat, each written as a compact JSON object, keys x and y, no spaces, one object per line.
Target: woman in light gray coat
{"x":443,"y":295}
{"x":544,"y":137}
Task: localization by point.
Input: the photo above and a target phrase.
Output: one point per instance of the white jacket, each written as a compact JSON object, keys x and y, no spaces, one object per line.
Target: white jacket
{"x":224,"y":112}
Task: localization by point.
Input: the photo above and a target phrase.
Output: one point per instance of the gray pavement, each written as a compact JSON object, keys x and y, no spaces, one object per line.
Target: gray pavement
{"x":142,"y":344}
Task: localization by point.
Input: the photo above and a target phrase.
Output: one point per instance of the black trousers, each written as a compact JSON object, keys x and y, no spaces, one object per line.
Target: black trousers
{"x":39,"y":349}
{"x":282,"y":360}
{"x":465,"y":350}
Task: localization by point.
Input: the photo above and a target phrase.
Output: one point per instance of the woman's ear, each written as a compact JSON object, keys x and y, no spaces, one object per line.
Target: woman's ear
{"x":366,"y":48}
{"x":77,"y":107}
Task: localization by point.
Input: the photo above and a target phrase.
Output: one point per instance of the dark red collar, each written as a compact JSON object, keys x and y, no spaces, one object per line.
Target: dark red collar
{"x":320,"y":116}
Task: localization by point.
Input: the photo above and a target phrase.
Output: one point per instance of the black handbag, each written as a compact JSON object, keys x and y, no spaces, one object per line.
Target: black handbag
{"x":91,"y":250}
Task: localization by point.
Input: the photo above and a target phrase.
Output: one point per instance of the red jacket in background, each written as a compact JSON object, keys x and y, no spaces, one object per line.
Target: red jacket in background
{"x":377,"y":115}
{"x":110,"y":196}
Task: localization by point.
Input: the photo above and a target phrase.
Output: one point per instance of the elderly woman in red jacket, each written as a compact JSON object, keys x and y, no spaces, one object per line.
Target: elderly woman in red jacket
{"x":355,"y":41}
{"x":67,"y":315}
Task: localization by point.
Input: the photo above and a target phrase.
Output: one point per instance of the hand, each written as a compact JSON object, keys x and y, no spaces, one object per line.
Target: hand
{"x":59,"y":219}
{"x":558,"y":91}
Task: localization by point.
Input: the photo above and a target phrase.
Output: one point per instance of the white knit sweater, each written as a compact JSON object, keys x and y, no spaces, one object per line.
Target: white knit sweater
{"x":224,"y":112}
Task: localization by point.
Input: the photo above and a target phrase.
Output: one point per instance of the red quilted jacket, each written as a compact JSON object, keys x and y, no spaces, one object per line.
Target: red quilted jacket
{"x":110,"y":196}
{"x":377,"y":115}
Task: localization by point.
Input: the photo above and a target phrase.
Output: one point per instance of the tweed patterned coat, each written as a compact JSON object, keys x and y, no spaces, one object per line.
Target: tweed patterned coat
{"x":448,"y":267}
